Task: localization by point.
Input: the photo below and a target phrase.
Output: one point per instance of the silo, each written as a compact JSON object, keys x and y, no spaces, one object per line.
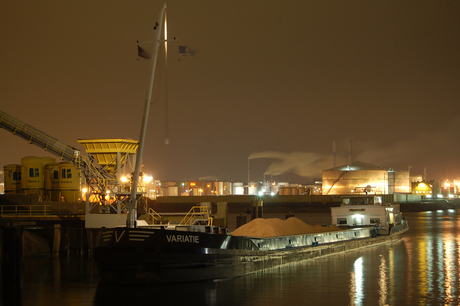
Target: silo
{"x":32,"y":175}
{"x":51,"y":177}
{"x":47,"y":160}
{"x":69,"y":182}
{"x":12,"y":179}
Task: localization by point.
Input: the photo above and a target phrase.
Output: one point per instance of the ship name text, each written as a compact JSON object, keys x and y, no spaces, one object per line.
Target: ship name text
{"x":183,"y":238}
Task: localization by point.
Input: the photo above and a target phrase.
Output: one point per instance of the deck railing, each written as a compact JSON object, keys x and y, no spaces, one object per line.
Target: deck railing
{"x":12,"y":211}
{"x":198,"y":214}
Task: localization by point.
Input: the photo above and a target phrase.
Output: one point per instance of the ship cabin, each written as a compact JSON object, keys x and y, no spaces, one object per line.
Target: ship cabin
{"x":366,"y":211}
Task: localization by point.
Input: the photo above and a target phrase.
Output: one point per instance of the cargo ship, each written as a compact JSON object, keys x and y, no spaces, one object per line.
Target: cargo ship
{"x":184,"y":253}
{"x":193,"y":251}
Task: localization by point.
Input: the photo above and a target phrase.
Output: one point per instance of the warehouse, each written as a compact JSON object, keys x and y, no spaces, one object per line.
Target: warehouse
{"x":363,"y":178}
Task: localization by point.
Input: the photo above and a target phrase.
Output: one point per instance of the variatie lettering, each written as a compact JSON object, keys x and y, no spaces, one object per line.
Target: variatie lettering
{"x":183,"y":238}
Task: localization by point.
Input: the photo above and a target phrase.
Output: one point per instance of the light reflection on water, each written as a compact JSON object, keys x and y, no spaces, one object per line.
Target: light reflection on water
{"x":356,"y":282}
{"x":383,"y":279}
{"x":422,"y":268}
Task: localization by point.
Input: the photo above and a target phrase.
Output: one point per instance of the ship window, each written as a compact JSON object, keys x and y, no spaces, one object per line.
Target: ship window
{"x":63,"y":173}
{"x":69,"y":173}
{"x":375,"y":221}
{"x":16,"y":176}
{"x":342,"y":221}
{"x":56,"y":174}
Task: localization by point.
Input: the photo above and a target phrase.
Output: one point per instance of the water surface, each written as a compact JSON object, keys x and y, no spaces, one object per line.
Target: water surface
{"x":423,"y":268}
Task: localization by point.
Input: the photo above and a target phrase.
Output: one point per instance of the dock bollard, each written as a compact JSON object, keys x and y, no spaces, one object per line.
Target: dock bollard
{"x":57,"y":239}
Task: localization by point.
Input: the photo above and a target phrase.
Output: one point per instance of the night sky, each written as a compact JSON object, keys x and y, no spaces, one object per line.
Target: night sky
{"x":273,"y":81}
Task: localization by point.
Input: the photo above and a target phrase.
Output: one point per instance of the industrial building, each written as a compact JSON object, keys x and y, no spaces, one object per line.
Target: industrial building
{"x":362,"y":178}
{"x":425,"y":189}
{"x":219,"y":188}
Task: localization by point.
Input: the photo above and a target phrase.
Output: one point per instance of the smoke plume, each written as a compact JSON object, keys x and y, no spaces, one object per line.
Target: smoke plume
{"x":305,"y":164}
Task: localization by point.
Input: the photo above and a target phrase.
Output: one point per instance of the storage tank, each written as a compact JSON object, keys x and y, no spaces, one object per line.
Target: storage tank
{"x":238,"y":188}
{"x":281,"y":190}
{"x":195,"y":191}
{"x":252,"y":188}
{"x":12,"y":179}
{"x":173,"y":191}
{"x":32,"y":175}
{"x":69,"y":182}
{"x":218,"y":187}
{"x":228,"y":187}
{"x":51,"y":177}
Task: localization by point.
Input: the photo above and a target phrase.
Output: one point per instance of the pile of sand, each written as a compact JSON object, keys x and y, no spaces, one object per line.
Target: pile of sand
{"x":276,"y":227}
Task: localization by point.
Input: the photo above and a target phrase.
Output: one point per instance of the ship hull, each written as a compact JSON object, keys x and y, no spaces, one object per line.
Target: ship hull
{"x":163,"y":256}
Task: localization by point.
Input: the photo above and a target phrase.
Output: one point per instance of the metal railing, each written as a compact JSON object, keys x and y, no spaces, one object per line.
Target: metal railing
{"x":15,"y":211}
{"x":153,"y":215}
{"x":197,"y":214}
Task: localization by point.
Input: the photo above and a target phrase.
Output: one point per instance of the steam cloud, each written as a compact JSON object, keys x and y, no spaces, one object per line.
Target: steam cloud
{"x":434,"y":148}
{"x":305,"y":164}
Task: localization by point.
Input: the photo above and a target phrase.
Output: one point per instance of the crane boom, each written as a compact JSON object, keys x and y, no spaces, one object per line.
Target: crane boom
{"x":37,"y":137}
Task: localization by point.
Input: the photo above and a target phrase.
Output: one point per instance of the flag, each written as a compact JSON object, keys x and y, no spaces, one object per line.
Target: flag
{"x":186,"y":51}
{"x":142,"y":53}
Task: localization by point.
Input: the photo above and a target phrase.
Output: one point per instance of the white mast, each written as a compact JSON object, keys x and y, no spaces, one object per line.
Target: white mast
{"x":132,"y":205}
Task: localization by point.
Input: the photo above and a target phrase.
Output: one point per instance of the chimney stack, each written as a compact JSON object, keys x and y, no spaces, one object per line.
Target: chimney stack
{"x":334,"y":155}
{"x":349,"y":152}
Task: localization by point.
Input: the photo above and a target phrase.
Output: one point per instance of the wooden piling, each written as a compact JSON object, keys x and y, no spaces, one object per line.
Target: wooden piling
{"x":57,"y":239}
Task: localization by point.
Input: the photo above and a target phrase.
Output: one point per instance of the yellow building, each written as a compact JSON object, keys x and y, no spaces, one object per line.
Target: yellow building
{"x":422,"y":188}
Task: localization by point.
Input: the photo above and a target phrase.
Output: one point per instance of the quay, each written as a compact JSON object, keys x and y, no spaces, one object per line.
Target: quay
{"x":62,"y":224}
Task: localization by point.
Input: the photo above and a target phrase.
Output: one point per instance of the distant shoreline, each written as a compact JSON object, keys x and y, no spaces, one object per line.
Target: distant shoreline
{"x":299,"y":207}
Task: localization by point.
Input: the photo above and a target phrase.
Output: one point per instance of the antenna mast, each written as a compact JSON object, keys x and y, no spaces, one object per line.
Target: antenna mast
{"x":132,"y":205}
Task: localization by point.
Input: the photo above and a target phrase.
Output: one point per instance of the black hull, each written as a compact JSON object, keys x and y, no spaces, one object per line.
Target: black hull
{"x":162,"y":256}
